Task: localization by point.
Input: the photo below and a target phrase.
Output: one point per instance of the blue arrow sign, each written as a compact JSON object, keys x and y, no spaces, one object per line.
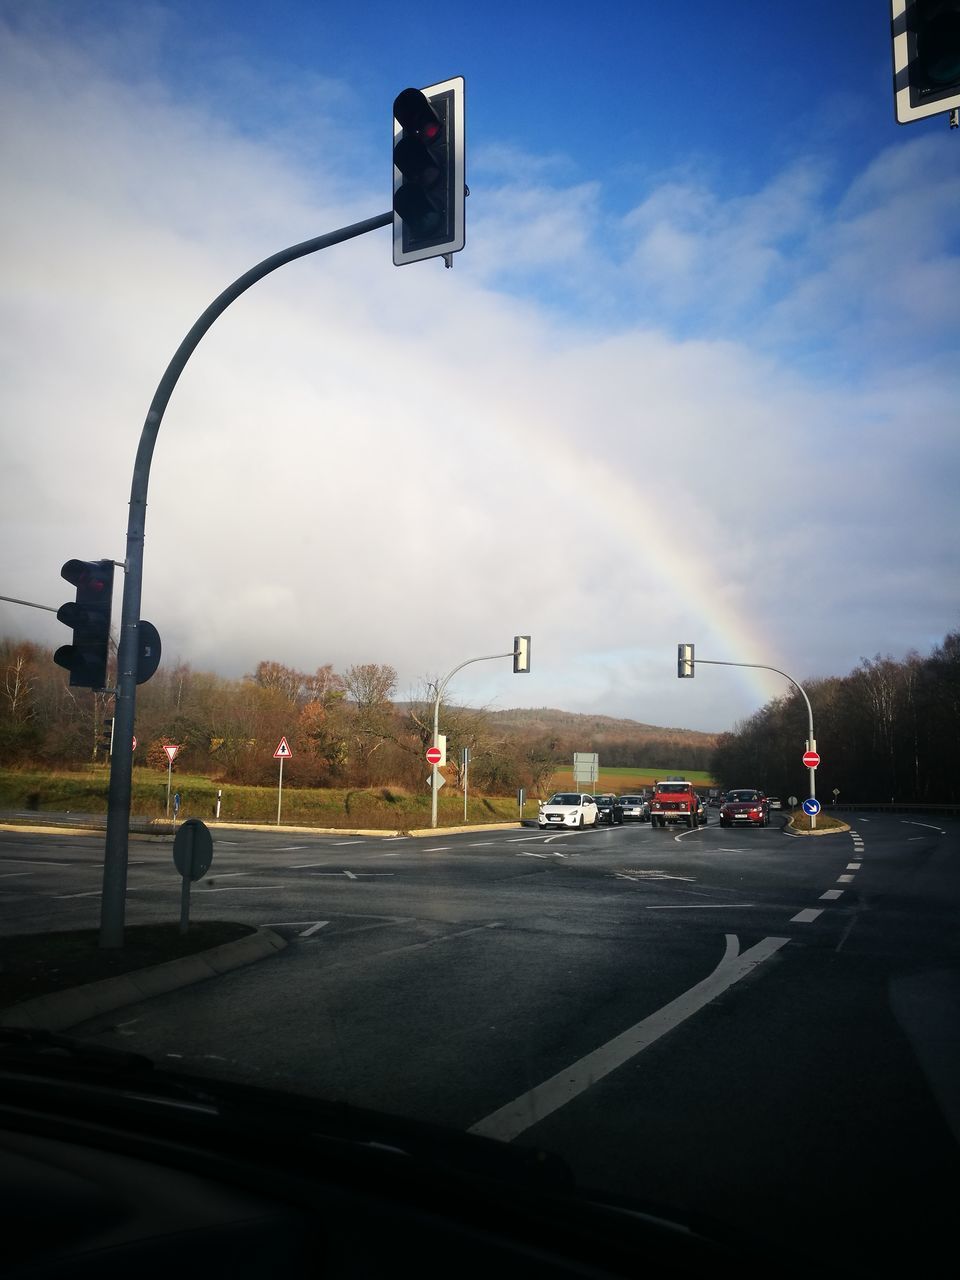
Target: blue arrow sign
{"x":811,"y":806}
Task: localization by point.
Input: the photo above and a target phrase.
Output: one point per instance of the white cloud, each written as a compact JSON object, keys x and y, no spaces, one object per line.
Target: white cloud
{"x":411,"y":466}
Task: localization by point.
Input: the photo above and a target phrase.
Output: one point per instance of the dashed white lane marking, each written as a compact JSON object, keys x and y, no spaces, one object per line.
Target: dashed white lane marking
{"x":806,"y":916}
{"x":480,"y":844}
{"x":844,"y":879}
{"x":437,"y":848}
{"x":511,"y":1120}
{"x":854,"y":866}
{"x":337,"y":843}
{"x":831,"y":895}
{"x":313,"y":928}
{"x":237,"y":888}
{"x":528,"y":853}
{"x":305,"y":866}
{"x":291,"y":848}
{"x":41,"y":862}
{"x":12,"y":875}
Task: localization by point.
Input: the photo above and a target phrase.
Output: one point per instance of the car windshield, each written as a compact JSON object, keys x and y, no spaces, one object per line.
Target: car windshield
{"x":322,"y":574}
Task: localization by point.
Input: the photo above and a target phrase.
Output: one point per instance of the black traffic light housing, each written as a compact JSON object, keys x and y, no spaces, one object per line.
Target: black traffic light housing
{"x":89,"y":618}
{"x":926,"y":57}
{"x":429,"y":190}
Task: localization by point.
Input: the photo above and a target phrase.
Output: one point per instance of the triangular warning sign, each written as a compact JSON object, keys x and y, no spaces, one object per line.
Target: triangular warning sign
{"x":283,"y":751}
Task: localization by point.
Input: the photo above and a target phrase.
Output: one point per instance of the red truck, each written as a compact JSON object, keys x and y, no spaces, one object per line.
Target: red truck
{"x":674,"y":800}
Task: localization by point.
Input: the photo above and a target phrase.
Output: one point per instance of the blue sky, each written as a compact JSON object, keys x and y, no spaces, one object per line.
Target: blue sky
{"x":694,"y":376}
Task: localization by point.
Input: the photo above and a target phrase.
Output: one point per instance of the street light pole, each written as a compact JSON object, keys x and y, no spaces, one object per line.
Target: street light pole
{"x":113,"y":900}
{"x":811,"y":740}
{"x":441,"y":687}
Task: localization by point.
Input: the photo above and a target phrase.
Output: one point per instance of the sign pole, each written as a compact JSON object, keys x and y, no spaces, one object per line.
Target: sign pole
{"x":280,"y":791}
{"x":169,"y":775}
{"x":187,"y":876}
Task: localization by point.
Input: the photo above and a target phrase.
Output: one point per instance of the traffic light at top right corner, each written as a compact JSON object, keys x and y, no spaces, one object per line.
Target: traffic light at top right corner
{"x":89,"y":618}
{"x":429,"y":190}
{"x":926,"y":57}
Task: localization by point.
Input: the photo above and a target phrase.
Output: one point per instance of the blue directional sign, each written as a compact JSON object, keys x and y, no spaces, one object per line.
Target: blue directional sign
{"x":811,"y":806}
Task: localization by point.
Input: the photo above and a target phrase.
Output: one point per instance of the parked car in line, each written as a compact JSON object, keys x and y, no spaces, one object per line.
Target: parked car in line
{"x":610,"y":809}
{"x":773,"y":802}
{"x":745,"y":807}
{"x":568,"y":809}
{"x":701,"y":809}
{"x":674,"y":800}
{"x":635,"y":808}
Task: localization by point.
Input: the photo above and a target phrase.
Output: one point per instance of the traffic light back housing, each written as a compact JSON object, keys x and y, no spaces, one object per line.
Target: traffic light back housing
{"x":89,"y":618}
{"x":926,"y":57}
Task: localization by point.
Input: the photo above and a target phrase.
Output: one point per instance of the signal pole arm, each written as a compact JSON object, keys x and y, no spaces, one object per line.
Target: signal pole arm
{"x":811,"y":741}
{"x":441,"y":688}
{"x":113,"y":901}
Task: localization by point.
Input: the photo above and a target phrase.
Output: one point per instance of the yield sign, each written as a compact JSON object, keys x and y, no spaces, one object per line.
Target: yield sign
{"x":170,"y":750}
{"x":283,"y":751}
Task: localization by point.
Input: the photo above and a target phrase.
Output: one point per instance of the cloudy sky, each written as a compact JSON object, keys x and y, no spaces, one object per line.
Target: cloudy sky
{"x":695,"y":376}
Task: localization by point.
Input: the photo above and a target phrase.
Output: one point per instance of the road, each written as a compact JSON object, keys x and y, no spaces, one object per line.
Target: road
{"x":758,"y":1028}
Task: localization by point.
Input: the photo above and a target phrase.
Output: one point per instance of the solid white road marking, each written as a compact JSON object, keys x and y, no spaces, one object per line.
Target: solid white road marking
{"x":703,"y":906}
{"x":528,"y":853}
{"x":831,"y":895}
{"x":313,"y":928}
{"x":807,"y":915}
{"x":290,"y":848}
{"x":538,"y":1103}
{"x":437,"y":848}
{"x":910,"y":823}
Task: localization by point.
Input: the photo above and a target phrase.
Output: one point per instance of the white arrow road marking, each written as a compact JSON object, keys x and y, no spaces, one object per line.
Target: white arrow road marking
{"x":538,"y":1103}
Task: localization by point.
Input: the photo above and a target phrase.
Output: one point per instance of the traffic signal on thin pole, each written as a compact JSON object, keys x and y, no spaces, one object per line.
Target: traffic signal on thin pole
{"x":685,"y":664}
{"x":89,"y":618}
{"x":429,"y":188}
{"x":521,"y":654}
{"x":926,"y":57}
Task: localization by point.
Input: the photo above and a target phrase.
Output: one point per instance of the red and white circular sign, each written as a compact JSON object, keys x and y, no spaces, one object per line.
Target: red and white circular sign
{"x":811,"y":759}
{"x":434,"y":755}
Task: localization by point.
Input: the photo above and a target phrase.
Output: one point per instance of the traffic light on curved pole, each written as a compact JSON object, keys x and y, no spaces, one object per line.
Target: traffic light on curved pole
{"x":89,"y":618}
{"x":428,"y":172}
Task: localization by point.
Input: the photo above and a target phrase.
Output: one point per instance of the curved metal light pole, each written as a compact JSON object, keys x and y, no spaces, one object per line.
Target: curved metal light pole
{"x":441,"y":686}
{"x":113,"y":902}
{"x":811,"y":740}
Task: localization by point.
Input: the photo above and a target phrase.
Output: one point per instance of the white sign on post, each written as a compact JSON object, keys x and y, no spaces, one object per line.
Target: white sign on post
{"x":282,"y":753}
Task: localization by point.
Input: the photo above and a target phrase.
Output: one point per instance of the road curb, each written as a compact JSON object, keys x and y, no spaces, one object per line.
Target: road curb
{"x":790,"y":830}
{"x":62,"y":1009}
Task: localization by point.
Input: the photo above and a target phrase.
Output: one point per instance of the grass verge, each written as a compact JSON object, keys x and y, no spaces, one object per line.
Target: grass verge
{"x":800,"y":822}
{"x":36,"y":964}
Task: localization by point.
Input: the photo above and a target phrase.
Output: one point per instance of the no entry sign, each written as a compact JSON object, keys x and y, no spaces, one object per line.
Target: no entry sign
{"x":811,"y":759}
{"x":434,"y":755}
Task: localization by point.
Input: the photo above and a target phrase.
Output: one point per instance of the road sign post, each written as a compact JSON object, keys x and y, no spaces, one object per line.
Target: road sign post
{"x":282,"y":753}
{"x":192,"y":856}
{"x":171,"y":751}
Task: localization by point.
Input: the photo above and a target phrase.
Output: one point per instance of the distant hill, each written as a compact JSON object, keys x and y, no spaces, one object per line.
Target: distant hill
{"x":628,"y":743}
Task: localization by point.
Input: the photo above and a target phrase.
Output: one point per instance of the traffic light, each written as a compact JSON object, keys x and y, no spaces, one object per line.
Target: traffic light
{"x":429,"y":191}
{"x":89,"y":617}
{"x":521,"y":654}
{"x":106,"y":737}
{"x":926,"y":57}
{"x":685,"y":669}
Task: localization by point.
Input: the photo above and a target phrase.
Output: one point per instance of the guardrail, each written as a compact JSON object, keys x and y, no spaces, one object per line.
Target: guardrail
{"x":893,"y":807}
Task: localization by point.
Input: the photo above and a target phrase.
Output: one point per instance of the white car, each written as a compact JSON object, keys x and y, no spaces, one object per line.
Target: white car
{"x":569,"y":809}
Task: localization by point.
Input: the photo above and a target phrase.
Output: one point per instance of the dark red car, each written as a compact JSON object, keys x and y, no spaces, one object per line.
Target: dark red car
{"x":744,"y":808}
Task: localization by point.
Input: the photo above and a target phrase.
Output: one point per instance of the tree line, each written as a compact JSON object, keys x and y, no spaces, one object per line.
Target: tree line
{"x":344,"y":729}
{"x":886,"y":733}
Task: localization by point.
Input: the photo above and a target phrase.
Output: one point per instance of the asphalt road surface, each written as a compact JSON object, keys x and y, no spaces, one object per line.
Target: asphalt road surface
{"x":757,"y":1028}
